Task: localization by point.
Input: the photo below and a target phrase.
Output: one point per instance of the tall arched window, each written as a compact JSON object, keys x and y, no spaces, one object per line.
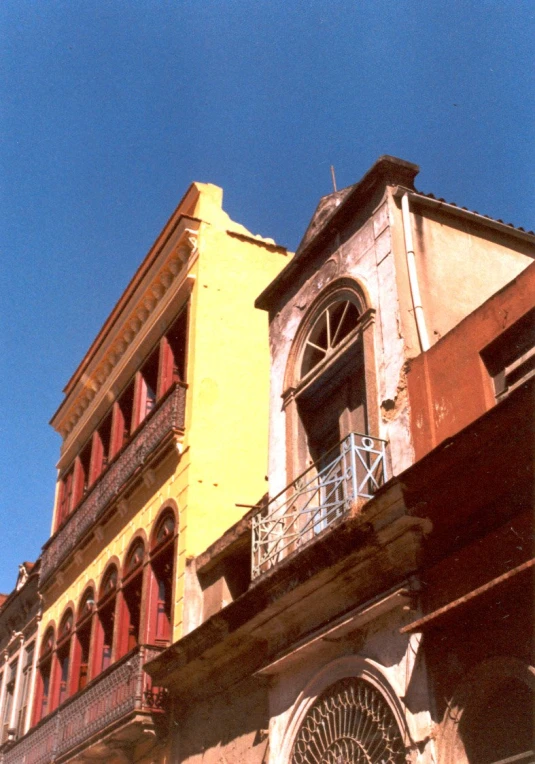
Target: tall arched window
{"x":43,"y":696}
{"x":63,"y":652}
{"x":162,"y":565}
{"x":105,"y":621}
{"x":331,"y":386}
{"x":132,"y":595}
{"x":82,"y":642}
{"x":334,"y":454}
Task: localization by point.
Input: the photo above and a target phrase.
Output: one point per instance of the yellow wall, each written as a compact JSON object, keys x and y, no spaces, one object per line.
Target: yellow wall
{"x":229,"y":384}
{"x":224,"y":454}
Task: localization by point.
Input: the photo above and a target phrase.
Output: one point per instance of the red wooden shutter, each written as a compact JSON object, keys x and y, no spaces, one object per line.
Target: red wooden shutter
{"x":167,"y":363}
{"x":78,"y":483}
{"x":97,"y":458}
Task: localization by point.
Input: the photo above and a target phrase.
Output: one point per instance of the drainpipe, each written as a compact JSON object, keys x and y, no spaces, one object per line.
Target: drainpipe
{"x":413,"y":275}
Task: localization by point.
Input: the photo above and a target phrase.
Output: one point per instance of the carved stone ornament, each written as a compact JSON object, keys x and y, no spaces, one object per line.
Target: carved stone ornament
{"x":22,"y":577}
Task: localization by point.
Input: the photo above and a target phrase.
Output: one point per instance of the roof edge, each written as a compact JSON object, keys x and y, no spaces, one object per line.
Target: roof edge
{"x":386,"y":171}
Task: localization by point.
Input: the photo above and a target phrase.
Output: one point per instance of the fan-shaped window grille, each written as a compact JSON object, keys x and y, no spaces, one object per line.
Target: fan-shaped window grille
{"x":66,"y":625}
{"x":109,"y":583}
{"x":165,"y":530}
{"x":87,"y":604}
{"x":334,"y":324}
{"x":350,"y":723}
{"x":48,"y":642}
{"x":135,"y":558}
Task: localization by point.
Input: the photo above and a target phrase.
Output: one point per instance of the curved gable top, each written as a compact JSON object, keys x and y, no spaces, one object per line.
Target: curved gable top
{"x":334,"y":210}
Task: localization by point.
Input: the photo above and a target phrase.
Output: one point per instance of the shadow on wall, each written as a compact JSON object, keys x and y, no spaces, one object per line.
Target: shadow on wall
{"x":231,"y":725}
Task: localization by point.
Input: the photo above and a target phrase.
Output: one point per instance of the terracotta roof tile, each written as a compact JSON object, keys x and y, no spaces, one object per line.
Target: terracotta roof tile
{"x":475,"y":212}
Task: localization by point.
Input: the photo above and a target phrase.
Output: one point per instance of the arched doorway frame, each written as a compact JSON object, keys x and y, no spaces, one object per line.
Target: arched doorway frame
{"x":352,"y":666}
{"x":471,"y":695}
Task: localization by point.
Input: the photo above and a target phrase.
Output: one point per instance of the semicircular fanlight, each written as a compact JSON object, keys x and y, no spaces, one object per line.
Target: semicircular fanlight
{"x":332,"y":326}
{"x":135,"y":557}
{"x":350,"y":723}
{"x":165,"y":529}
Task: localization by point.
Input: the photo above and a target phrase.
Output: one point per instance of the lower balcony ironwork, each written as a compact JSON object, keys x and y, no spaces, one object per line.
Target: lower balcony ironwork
{"x":351,"y":471}
{"x":163,"y":421}
{"x":109,"y":702}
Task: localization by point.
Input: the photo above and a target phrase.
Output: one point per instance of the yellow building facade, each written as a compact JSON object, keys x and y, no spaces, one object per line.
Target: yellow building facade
{"x":164,"y":442}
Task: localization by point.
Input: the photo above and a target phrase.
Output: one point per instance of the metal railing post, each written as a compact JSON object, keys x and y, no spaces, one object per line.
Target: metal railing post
{"x":354,"y":481}
{"x":383,"y":460}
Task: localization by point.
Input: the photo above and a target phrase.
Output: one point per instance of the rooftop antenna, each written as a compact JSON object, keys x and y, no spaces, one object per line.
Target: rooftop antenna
{"x":333,"y":178}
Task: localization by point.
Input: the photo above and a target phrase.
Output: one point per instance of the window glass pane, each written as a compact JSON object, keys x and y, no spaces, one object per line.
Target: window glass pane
{"x":333,"y":326}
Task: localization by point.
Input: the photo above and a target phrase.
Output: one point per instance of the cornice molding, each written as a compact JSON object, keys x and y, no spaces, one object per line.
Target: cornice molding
{"x":172,"y":272}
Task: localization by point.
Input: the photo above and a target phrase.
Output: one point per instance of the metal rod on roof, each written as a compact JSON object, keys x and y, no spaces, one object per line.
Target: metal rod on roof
{"x":333,"y":178}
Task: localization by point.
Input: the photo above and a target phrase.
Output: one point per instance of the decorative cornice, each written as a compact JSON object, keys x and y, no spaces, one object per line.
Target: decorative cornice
{"x":171,"y":271}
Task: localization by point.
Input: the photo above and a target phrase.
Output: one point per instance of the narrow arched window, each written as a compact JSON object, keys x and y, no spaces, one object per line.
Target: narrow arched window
{"x":43,"y":696}
{"x":104,"y":641}
{"x":335,"y":456}
{"x":332,"y":397}
{"x":132,"y":595}
{"x":162,"y":564}
{"x":82,"y":644}
{"x":63,"y":651}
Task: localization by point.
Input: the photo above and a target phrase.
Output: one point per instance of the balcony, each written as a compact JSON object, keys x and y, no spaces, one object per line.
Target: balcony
{"x":349,"y":474}
{"x":164,"y":421}
{"x":115,"y":709}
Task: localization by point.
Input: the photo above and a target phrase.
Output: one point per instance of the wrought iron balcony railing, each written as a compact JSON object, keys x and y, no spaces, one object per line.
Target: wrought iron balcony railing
{"x":352,"y":470}
{"x":107,"y":702}
{"x":166,"y":418}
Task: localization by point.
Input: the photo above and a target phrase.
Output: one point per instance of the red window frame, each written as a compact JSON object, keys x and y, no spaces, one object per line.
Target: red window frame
{"x":162,"y":579}
{"x":105,"y":631}
{"x":147,"y":385}
{"x":123,"y":418}
{"x":65,"y":496}
{"x":81,"y":655}
{"x":173,"y":353}
{"x":132,"y":601}
{"x":63,"y":659}
{"x":42,"y":704}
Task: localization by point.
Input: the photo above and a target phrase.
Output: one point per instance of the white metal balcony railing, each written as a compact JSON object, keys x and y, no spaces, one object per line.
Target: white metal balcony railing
{"x":353,"y":469}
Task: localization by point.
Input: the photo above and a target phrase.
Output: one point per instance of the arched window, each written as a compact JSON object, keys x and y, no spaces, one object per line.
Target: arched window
{"x":132,"y":594}
{"x":349,"y":722}
{"x":105,"y":621}
{"x":43,"y":695}
{"x":82,"y":644}
{"x":63,"y":651}
{"x":334,"y":454}
{"x":331,"y":388}
{"x":162,"y":564}
{"x":332,"y":326}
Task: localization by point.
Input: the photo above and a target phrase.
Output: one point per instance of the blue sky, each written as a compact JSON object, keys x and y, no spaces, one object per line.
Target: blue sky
{"x":110,"y":109}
